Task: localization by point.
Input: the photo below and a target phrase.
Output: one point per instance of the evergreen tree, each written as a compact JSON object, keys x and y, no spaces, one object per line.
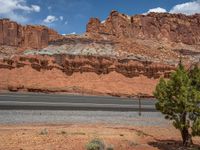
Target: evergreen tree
{"x":195,"y":77}
{"x":179,"y":100}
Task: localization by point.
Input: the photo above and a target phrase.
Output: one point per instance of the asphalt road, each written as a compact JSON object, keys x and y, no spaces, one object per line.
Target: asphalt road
{"x":32,"y":101}
{"x":18,"y":108}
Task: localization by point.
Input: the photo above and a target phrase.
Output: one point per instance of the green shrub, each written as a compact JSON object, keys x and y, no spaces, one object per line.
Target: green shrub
{"x":95,"y":144}
{"x":196,"y":148}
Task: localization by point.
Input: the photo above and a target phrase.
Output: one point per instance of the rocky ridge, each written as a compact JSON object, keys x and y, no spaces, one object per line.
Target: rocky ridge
{"x":122,"y":56}
{"x":157,"y":37}
{"x":159,"y":26}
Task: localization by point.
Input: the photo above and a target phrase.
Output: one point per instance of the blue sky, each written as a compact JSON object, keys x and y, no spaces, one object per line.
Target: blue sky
{"x":68,"y":16}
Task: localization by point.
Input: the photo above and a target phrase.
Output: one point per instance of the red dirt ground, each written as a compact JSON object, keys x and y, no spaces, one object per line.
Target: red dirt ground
{"x":76,"y":136}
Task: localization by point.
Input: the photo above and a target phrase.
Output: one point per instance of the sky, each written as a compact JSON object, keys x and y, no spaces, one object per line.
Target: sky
{"x":71,"y":16}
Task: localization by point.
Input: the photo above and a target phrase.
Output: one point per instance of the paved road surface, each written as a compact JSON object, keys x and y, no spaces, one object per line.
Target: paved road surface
{"x":31,"y":101}
{"x":81,"y":117}
{"x":47,"y":108}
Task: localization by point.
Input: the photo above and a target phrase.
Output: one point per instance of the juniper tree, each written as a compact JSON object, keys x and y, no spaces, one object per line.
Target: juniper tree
{"x":195,"y":77}
{"x":178,"y":98}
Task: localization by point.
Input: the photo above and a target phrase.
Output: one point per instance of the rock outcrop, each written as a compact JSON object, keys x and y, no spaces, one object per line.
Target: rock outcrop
{"x":25,"y":37}
{"x":121,"y":56}
{"x":70,"y":64}
{"x":81,"y":74}
{"x":158,"y":26}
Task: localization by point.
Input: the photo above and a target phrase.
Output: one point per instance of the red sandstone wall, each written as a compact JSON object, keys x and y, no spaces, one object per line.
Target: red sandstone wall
{"x":81,"y":74}
{"x":159,"y":26}
{"x":25,"y":37}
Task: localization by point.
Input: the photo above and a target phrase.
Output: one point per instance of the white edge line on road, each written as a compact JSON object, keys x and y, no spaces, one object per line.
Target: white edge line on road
{"x":72,"y":104}
{"x":53,"y":96}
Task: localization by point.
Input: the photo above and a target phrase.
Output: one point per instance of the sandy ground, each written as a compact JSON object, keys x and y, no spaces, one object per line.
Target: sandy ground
{"x":76,"y":136}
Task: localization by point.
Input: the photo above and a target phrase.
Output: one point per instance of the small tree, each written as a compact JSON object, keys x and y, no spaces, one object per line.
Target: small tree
{"x":179,"y":99}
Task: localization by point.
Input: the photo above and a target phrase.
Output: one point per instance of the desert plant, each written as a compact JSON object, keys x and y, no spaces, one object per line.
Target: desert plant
{"x":62,"y":132}
{"x":133,"y":144}
{"x":179,"y":100}
{"x":44,"y":132}
{"x":95,"y":144}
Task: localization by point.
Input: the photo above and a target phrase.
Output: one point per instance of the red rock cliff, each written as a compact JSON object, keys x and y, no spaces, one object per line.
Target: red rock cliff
{"x":159,"y":26}
{"x":81,"y":74}
{"x":25,"y":37}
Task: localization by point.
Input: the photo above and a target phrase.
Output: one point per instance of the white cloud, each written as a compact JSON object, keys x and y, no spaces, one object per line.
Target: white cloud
{"x":103,"y":21}
{"x":188,"y":8}
{"x":8,"y":9}
{"x":64,"y":34}
{"x":73,"y":33}
{"x":12,"y":5}
{"x":157,"y":10}
{"x":50,"y":19}
{"x":61,"y":18}
{"x":35,"y":8}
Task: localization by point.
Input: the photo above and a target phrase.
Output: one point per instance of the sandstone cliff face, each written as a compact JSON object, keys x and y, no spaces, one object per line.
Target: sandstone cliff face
{"x":158,"y":26}
{"x":81,"y":74}
{"x":25,"y":37}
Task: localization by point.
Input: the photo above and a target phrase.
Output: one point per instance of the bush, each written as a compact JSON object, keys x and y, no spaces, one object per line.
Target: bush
{"x":95,"y":144}
{"x":44,"y":132}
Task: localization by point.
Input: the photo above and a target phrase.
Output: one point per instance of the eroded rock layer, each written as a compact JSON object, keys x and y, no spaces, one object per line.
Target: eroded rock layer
{"x":68,"y":66}
{"x":153,"y":37}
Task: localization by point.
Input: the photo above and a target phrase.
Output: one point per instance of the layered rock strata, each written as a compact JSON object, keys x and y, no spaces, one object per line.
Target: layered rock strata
{"x":69,"y":65}
{"x":122,"y":56}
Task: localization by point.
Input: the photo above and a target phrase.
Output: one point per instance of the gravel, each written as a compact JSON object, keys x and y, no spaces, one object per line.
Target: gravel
{"x":85,"y":117}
